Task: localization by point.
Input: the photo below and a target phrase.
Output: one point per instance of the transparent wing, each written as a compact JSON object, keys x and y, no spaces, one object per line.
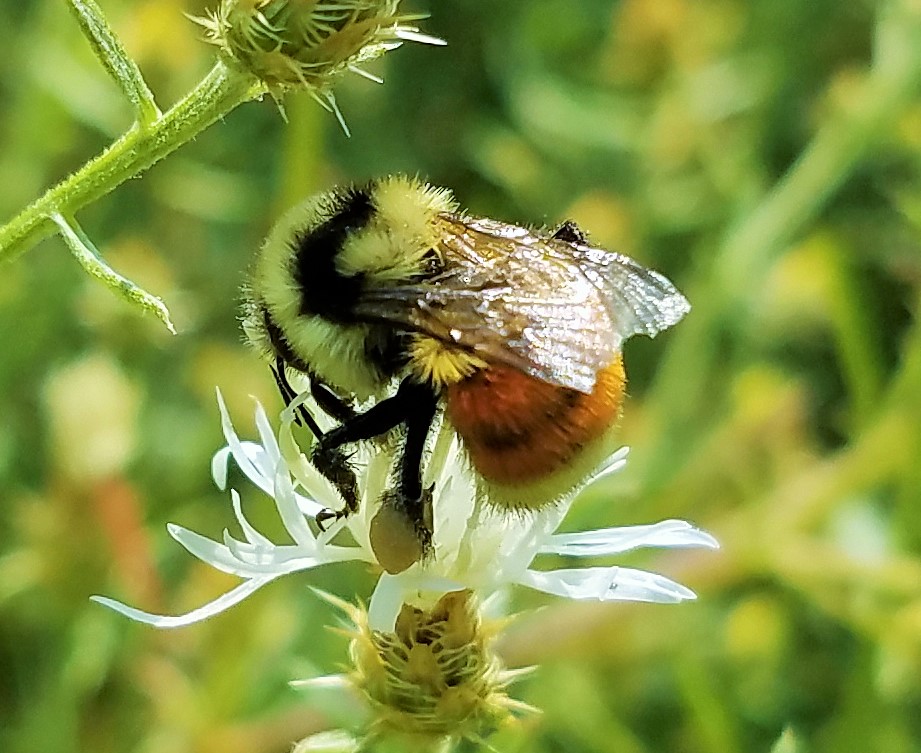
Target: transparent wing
{"x":555,"y":310}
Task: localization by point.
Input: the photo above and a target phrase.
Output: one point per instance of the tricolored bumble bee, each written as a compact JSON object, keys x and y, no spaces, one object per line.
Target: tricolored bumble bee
{"x":516,"y":333}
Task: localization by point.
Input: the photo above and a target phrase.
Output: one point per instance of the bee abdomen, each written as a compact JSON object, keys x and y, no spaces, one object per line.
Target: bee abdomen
{"x":518,"y":429}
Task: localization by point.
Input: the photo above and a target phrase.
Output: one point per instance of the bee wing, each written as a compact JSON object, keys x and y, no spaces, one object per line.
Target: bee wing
{"x":555,"y":310}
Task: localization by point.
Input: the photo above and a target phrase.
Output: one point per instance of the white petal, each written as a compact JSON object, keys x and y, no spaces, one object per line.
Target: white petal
{"x":252,"y":535}
{"x":612,"y":464}
{"x":607,"y":584}
{"x":256,"y":465}
{"x":266,"y":435}
{"x":290,"y":416}
{"x":323,"y":683}
{"x":249,"y":457}
{"x":288,"y":509}
{"x":275,"y":558}
{"x":330,"y":741}
{"x":217,"y":606}
{"x":668,"y":533}
{"x":263,"y":558}
{"x":306,"y":474}
{"x":385,"y":603}
{"x":307,"y":506}
{"x":217,"y":555}
{"x":365,"y":74}
{"x":219,"y":467}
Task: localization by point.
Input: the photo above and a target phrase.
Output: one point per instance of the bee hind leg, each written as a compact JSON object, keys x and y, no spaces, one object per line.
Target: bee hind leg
{"x":417,"y":499}
{"x":413,"y":405}
{"x":401,"y":529}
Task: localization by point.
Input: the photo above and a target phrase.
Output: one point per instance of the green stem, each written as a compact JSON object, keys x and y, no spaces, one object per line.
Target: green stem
{"x":217,"y":94}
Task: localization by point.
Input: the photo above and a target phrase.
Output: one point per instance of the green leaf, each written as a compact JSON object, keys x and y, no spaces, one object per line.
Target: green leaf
{"x":89,"y":258}
{"x":112,"y":55}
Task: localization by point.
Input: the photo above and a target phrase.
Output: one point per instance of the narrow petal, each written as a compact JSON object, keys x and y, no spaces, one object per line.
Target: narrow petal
{"x":307,"y":506}
{"x":250,"y":458}
{"x":288,"y":510}
{"x":668,"y":533}
{"x":210,"y":609}
{"x":323,"y":683}
{"x":607,"y":584}
{"x":366,"y":74}
{"x":392,"y":590}
{"x":275,"y":558}
{"x":217,"y":555}
{"x":243,"y":458}
{"x":314,"y":483}
{"x":219,"y":467}
{"x":252,"y":535}
{"x":614,"y":462}
{"x":411,"y":35}
{"x":385,"y":603}
{"x":266,"y":434}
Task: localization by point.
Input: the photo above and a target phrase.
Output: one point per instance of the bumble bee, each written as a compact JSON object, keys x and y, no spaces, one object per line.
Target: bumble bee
{"x":517,"y":334}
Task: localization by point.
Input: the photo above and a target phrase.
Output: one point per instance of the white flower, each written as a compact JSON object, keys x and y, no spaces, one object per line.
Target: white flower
{"x":475,"y":547}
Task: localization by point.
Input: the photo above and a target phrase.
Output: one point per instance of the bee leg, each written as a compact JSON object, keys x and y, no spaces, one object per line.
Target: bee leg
{"x":400,"y":533}
{"x":326,"y":515}
{"x":333,"y":463}
{"x":380,"y":417}
{"x":417,"y":500}
{"x":302,"y":417}
{"x":331,"y":404}
{"x":413,"y":404}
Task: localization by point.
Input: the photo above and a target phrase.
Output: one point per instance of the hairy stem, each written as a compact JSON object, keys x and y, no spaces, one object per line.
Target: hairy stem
{"x":140,"y":147}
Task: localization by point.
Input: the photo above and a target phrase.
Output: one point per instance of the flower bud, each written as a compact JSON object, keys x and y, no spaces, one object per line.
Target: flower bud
{"x":307,"y":43}
{"x":436,"y":674}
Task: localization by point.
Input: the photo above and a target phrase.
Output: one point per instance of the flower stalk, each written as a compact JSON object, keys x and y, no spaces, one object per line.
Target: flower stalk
{"x":264,"y":46}
{"x":219,"y":92}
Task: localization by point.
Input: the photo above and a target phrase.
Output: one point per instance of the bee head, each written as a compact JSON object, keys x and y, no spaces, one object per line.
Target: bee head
{"x":311,"y":271}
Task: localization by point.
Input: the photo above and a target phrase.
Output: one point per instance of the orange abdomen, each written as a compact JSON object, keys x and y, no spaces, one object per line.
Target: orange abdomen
{"x":518,"y":428}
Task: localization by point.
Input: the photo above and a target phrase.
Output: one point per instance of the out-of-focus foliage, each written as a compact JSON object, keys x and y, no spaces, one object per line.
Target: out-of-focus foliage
{"x":763,"y":155}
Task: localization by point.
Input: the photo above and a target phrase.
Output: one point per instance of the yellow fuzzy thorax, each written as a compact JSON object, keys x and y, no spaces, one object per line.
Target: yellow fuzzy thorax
{"x":439,"y":364}
{"x":402,"y":230}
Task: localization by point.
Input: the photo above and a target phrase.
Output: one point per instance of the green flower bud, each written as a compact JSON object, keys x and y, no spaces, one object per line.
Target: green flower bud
{"x":436,"y":675}
{"x":308,"y":43}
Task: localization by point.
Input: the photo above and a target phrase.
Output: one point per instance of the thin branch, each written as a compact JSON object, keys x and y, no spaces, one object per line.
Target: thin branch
{"x":112,"y":55}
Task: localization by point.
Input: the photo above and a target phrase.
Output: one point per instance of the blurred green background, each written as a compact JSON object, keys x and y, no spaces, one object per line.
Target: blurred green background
{"x":763,"y":155}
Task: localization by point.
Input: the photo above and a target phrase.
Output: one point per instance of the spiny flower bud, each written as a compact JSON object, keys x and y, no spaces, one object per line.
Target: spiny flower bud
{"x":308,"y":43}
{"x":435,"y":675}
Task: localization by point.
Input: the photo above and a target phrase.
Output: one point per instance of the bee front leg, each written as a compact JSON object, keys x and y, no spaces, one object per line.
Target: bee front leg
{"x":288,"y":394}
{"x":332,"y":461}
